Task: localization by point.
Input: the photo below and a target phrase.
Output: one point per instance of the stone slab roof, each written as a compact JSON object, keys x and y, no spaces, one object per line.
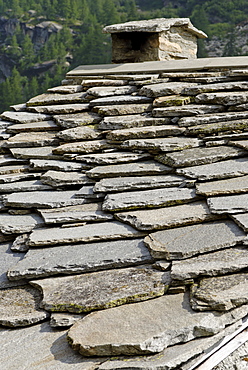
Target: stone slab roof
{"x":123,"y":222}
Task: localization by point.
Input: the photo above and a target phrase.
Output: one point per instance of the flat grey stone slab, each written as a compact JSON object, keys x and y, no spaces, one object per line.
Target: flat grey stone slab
{"x":84,"y":213}
{"x":187,"y":241}
{"x":112,"y":158}
{"x":18,"y":224}
{"x":134,"y":169}
{"x":242,"y":220}
{"x":225,"y":98}
{"x":14,"y":169}
{"x":164,"y":89}
{"x":52,"y":352}
{"x":229,"y":204}
{"x":103,"y":82}
{"x":8,"y":259}
{"x":222,"y":262}
{"x":85,"y":233}
{"x":148,"y":199}
{"x":225,"y":86}
{"x":32,"y":127}
{"x":6,"y":160}
{"x":82,"y":147}
{"x":144,"y":132}
{"x":13,"y":177}
{"x":43,"y":199}
{"x":79,"y":133}
{"x":123,"y":109}
{"x":120,"y":99}
{"x":229,"y":186}
{"x":59,"y":109}
{"x":199,"y":156}
{"x":186,"y":110}
{"x":167,"y":217}
{"x":130,"y":121}
{"x":172,"y":100}
{"x":77,"y":259}
{"x":136,"y":183}
{"x":52,"y":99}
{"x":212,"y":128}
{"x":163,"y":144}
{"x":60,"y":178}
{"x":102,"y":289}
{"x":24,"y":117}
{"x":32,"y":139}
{"x":66,"y":89}
{"x":64,"y":320}
{"x":220,"y":170}
{"x":77,"y":119}
{"x":172,"y":322}
{"x":44,"y":152}
{"x":51,"y":164}
{"x":221,"y":293}
{"x":240,"y":144}
{"x":19,"y":306}
{"x":103,"y":91}
{"x":18,"y":186}
{"x":211,"y":118}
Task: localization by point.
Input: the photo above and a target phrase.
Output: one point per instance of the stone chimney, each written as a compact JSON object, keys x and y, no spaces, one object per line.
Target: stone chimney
{"x":155,"y":39}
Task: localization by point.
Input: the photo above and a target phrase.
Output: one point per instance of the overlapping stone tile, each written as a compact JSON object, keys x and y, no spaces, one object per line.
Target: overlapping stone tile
{"x":163,"y":89}
{"x":213,"y":128}
{"x":6,"y":160}
{"x":120,"y":99}
{"x":17,"y":224}
{"x":103,"y":82}
{"x":33,"y":127}
{"x":66,"y":89}
{"x":82,"y":147}
{"x":52,"y":99}
{"x":79,"y":258}
{"x":25,"y":139}
{"x":225,"y":86}
{"x":130,"y":121}
{"x":225,"y":98}
{"x":211,"y":118}
{"x":171,"y":100}
{"x":24,"y":117}
{"x":59,"y":109}
{"x":242,"y":220}
{"x":112,"y":157}
{"x":13,"y":177}
{"x":43,"y":152}
{"x":162,"y":144}
{"x":103,"y":91}
{"x":79,"y":133}
{"x":60,"y":178}
{"x":77,"y":119}
{"x":186,"y":110}
{"x":8,"y":259}
{"x":229,"y":204}
{"x":51,"y":164}
{"x":64,"y":319}
{"x":88,"y":192}
{"x":18,"y":186}
{"x":230,"y":186}
{"x":14,"y":169}
{"x":187,"y":241}
{"x":124,"y":109}
{"x":148,"y":199}
{"x":240,"y":144}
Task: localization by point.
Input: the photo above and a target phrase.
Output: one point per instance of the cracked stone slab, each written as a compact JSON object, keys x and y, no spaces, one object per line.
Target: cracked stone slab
{"x":24,"y":117}
{"x":43,"y":199}
{"x":222,"y":262}
{"x":86,"y":233}
{"x":199,"y":156}
{"x":77,"y":119}
{"x":241,"y":220}
{"x":60,"y":178}
{"x":187,"y":241}
{"x":7,"y":260}
{"x":50,"y":164}
{"x":167,"y":217}
{"x":233,"y":85}
{"x":120,"y":99}
{"x":103,"y":91}
{"x":117,"y":184}
{"x":225,"y":98}
{"x":148,"y":199}
{"x":19,"y":306}
{"x":79,"y":133}
{"x":186,"y":110}
{"x":32,"y":139}
{"x":43,"y":152}
{"x":213,"y":128}
{"x":18,"y":224}
{"x":124,"y":109}
{"x":220,"y":170}
{"x":102,"y":289}
{"x":221,"y":293}
{"x":230,"y":186}
{"x":131,"y":330}
{"x":19,"y":186}
{"x":59,"y":109}
{"x":130,"y":121}
{"x":82,"y":147}
{"x":211,"y":118}
{"x":237,"y":203}
{"x":33,"y":127}
{"x":85,"y":213}
{"x":163,"y":144}
{"x":64,"y":319}
{"x":163,"y":89}
{"x":79,"y":258}
{"x":144,"y":132}
{"x":112,"y":158}
{"x":134,"y":169}
{"x":53,"y":99}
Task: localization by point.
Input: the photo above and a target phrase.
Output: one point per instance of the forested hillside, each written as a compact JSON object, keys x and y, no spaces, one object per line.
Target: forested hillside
{"x":41,"y":39}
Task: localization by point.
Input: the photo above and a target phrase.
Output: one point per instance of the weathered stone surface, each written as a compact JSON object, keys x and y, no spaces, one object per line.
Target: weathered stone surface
{"x":112,"y":158}
{"x":77,"y":119}
{"x":144,"y":132}
{"x":211,"y":264}
{"x":58,"y":109}
{"x":85,"y":212}
{"x":86,"y":233}
{"x":213,"y":128}
{"x":78,"y":258}
{"x":82,"y":147}
{"x":8,"y":259}
{"x":134,"y":169}
{"x":64,"y":320}
{"x":52,"y":352}
{"x":137,"y":183}
{"x":52,"y":99}
{"x":188,"y":110}
{"x":130,"y":121}
{"x":6,"y":160}
{"x":102,"y":289}
{"x":120,"y":99}
{"x":120,"y":110}
{"x":187,"y":241}
{"x":69,"y":89}
{"x":167,"y":217}
{"x":229,"y":186}
{"x":211,"y":118}
{"x":44,"y":152}
{"x":198,"y":156}
{"x":24,"y":117}
{"x":33,"y":127}
{"x":60,"y":178}
{"x":225,"y":98}
{"x":88,"y":192}
{"x":13,"y":224}
{"x":219,"y":170}
{"x":19,"y":306}
{"x":79,"y":133}
{"x":221,"y":293}
{"x":241,"y":220}
{"x":229,"y":204}
{"x":163,"y":89}
{"x":165,"y":145}
{"x":49,"y":164}
{"x":170,"y":101}
{"x":7,"y":170}
{"x":148,"y":199}
{"x":101,"y":92}
{"x":13,"y":177}
{"x":240,"y":144}
{"x":18,"y":107}
{"x":103,"y":82}
{"x":131,"y":329}
{"x":234,"y":85}
{"x":4,"y":124}
{"x":43,"y":199}
{"x":32,"y":139}
{"x":20,"y":243}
